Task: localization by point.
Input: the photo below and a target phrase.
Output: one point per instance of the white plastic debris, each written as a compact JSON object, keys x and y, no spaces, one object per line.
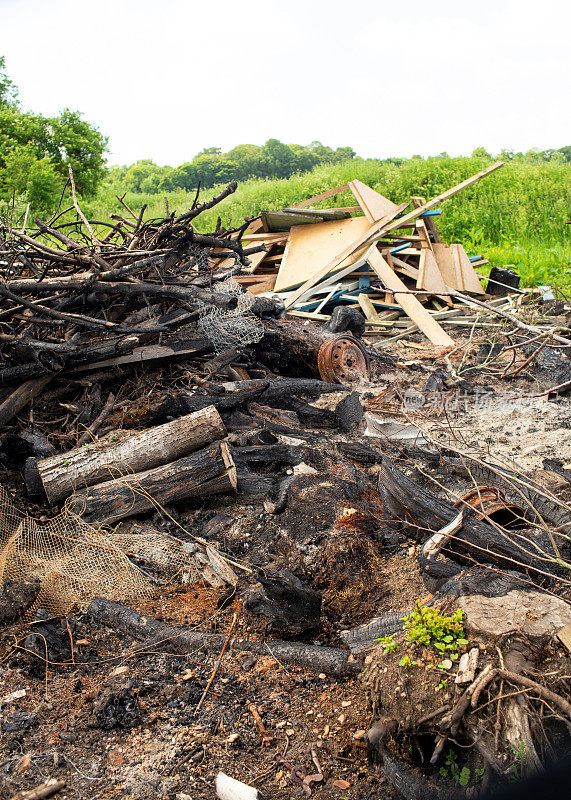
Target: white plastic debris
{"x":228,"y":788}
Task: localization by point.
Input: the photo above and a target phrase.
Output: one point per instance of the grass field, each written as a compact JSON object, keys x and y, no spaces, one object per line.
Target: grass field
{"x":515,"y":217}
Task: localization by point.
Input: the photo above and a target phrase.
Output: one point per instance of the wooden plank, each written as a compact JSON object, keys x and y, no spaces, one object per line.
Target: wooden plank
{"x":446,"y":266}
{"x":374,"y":205}
{"x":429,"y":277}
{"x":387,"y":225}
{"x":265,"y":286}
{"x":256,"y":260}
{"x":312,"y":244}
{"x":268,"y":238}
{"x":408,"y":302}
{"x":368,"y":308}
{"x":149,"y":352}
{"x":429,"y":221}
{"x":323,"y":196}
{"x":282,"y":221}
{"x":470,"y":280}
{"x":322,"y":214}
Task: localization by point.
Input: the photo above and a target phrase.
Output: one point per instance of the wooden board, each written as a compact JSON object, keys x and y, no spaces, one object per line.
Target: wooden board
{"x":408,"y":302}
{"x":368,"y":308}
{"x":321,"y":214}
{"x":446,"y":265}
{"x":260,"y":288}
{"x":266,"y":238}
{"x":283,"y":221}
{"x":387,"y":225}
{"x":313,"y":244}
{"x":429,"y":277}
{"x":358,"y":248}
{"x":323,"y":196}
{"x":470,"y":280}
{"x":429,"y":223}
{"x":374,"y":205}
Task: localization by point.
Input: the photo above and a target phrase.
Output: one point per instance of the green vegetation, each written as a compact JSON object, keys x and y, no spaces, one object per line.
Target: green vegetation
{"x":515,"y":217}
{"x":211,"y":166}
{"x":35,"y":151}
{"x":388,"y":643}
{"x":427,"y":626}
{"x":460,"y":775}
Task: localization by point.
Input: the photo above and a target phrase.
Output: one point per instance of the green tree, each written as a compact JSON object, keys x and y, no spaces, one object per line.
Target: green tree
{"x":75,"y":141}
{"x":281,"y":159}
{"x":481,"y":152}
{"x":304,"y":158}
{"x":205,"y":165}
{"x":249,"y":160}
{"x":187,"y":177}
{"x":8,"y":89}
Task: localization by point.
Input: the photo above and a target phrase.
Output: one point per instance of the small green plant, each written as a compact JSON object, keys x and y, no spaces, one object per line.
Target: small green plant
{"x":519,"y":768}
{"x":460,"y":775}
{"x":388,"y":643}
{"x":407,"y":662}
{"x":443,"y":685}
{"x":426,"y":625}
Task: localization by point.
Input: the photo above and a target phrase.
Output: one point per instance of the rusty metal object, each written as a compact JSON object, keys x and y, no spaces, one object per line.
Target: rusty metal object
{"x":342,"y":360}
{"x":489,"y":501}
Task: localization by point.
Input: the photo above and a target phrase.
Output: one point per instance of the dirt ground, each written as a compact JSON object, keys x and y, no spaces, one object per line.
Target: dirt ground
{"x":312,"y":724}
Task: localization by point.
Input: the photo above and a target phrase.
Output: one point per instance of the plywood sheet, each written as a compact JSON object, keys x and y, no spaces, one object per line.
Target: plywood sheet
{"x":311,"y":245}
{"x":446,"y":265}
{"x":429,"y":277}
{"x":374,"y":205}
{"x":470,"y":280}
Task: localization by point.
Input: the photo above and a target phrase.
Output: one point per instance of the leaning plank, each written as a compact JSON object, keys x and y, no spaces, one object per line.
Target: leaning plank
{"x":470,"y":280}
{"x":408,"y":302}
{"x":428,"y":221}
{"x":310,"y":244}
{"x":206,"y":472}
{"x":446,"y":265}
{"x":61,"y":475}
{"x":323,"y":196}
{"x":429,"y":277}
{"x":20,"y":397}
{"x":368,"y":308}
{"x":373,"y":204}
{"x":385,"y":226}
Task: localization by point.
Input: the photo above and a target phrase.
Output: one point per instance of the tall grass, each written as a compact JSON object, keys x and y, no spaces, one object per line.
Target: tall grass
{"x":517,"y":216}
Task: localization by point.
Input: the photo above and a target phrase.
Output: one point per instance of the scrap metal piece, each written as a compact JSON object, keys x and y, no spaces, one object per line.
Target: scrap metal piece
{"x":342,"y":360}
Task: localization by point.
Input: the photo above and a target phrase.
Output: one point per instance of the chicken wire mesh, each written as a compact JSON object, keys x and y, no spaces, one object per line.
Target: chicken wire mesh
{"x":236,"y":327}
{"x":76,"y":561}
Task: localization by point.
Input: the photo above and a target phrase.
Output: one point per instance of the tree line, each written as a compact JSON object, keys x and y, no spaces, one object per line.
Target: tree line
{"x":35,"y":152}
{"x":211,"y":166}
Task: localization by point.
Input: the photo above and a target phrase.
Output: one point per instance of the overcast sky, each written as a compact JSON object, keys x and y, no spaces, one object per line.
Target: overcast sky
{"x":165,"y":78}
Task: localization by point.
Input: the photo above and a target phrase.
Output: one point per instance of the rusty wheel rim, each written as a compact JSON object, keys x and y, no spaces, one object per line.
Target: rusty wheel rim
{"x":342,"y":360}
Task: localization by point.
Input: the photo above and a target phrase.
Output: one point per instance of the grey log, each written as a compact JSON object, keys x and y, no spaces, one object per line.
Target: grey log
{"x":112,"y":457}
{"x":206,"y":472}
